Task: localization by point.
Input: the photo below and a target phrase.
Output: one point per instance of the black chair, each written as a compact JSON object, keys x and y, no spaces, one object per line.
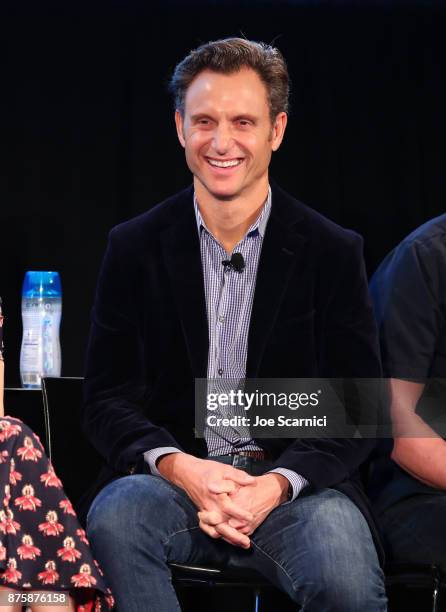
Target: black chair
{"x":409,"y":578}
{"x":417,"y":576}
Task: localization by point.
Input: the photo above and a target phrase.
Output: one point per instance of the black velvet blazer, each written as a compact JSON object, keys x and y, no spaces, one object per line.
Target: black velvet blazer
{"x":311,"y":317}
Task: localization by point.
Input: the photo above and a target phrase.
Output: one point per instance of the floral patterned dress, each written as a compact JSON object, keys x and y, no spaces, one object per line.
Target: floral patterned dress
{"x":42,"y":545}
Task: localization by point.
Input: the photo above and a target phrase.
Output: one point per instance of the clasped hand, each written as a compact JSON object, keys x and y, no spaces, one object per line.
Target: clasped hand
{"x":258,"y":497}
{"x":231,"y":503}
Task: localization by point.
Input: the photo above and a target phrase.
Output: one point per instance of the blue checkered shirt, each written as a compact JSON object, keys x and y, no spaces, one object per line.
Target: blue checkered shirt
{"x":229,"y":298}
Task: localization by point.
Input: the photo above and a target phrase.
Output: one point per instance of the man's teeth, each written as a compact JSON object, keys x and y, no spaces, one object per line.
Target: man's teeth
{"x":225,"y":164}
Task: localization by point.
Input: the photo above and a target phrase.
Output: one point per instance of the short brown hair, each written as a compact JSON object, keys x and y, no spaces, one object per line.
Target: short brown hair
{"x":229,"y":55}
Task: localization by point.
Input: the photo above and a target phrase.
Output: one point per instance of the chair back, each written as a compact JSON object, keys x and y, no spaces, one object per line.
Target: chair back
{"x":27,"y":405}
{"x":76,"y":462}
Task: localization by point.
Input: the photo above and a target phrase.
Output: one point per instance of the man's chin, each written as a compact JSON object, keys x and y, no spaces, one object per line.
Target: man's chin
{"x":225,"y":197}
{"x":224,"y":193}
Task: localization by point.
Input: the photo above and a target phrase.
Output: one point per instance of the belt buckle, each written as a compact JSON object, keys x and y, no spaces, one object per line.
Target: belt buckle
{"x":258,"y":455}
{"x":237,"y":460}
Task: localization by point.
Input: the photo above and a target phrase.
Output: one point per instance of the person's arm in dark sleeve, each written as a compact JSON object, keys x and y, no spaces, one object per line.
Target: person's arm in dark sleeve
{"x":408,"y":292}
{"x":350,"y":350}
{"x":115,"y":380}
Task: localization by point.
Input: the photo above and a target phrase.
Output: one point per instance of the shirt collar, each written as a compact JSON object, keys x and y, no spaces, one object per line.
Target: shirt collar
{"x":259,"y":225}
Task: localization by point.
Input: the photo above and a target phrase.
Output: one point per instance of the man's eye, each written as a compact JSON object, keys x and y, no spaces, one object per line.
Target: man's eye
{"x":244,"y":122}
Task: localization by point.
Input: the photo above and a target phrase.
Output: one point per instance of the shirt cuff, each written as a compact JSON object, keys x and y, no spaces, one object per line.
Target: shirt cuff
{"x":297,"y":482}
{"x":152,"y":456}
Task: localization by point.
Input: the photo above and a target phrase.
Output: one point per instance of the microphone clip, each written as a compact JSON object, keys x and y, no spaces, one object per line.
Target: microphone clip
{"x":237,"y":263}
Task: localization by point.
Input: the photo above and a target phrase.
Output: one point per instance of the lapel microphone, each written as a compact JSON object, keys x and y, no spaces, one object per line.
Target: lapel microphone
{"x":236,"y":262}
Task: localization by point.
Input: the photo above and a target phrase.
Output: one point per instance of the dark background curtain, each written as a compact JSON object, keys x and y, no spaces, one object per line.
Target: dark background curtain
{"x":88,"y":137}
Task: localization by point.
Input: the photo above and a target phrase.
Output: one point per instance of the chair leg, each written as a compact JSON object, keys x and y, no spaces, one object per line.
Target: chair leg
{"x":435,"y":595}
{"x":257,"y":600}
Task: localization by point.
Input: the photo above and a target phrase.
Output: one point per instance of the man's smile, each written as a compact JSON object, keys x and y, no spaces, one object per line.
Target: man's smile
{"x":224,"y":163}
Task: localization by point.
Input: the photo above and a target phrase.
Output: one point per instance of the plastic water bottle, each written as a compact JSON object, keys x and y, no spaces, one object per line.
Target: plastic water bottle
{"x":41,"y":314}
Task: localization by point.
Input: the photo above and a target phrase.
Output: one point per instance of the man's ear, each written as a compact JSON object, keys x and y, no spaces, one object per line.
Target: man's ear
{"x":180,"y":126}
{"x":278,"y":130}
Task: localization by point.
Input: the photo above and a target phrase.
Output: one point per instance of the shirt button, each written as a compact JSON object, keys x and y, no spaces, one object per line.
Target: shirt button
{"x":220,"y":371}
{"x":222,"y":318}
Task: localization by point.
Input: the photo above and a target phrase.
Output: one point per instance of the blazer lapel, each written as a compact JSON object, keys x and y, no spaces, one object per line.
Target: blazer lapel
{"x":181,"y":251}
{"x":281,"y":251}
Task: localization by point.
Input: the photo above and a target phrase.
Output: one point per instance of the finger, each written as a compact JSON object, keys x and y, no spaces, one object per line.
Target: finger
{"x":223,"y":486}
{"x":214,"y":517}
{"x":242,"y":527}
{"x":232,"y":522}
{"x":211,"y":517}
{"x":233,"y":536}
{"x":208,"y":530}
{"x":233,"y":510}
{"x":228,"y":541}
{"x":239,"y":476}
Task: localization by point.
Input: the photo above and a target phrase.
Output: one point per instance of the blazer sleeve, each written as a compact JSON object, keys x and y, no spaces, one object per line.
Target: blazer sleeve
{"x":348,"y":349}
{"x":116,"y":386}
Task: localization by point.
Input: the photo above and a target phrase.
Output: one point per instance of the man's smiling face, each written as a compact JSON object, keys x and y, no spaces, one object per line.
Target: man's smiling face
{"x":227,"y":132}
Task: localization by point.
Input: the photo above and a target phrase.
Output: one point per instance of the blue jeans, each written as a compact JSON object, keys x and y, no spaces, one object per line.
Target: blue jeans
{"x":318,"y":548}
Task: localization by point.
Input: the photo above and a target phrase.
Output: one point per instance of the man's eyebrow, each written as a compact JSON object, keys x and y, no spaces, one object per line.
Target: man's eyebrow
{"x":239,"y":117}
{"x":200,"y":116}
{"x":246,"y":116}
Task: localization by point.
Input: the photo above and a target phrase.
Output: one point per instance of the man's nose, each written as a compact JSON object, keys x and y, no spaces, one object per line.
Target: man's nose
{"x":222,"y":139}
